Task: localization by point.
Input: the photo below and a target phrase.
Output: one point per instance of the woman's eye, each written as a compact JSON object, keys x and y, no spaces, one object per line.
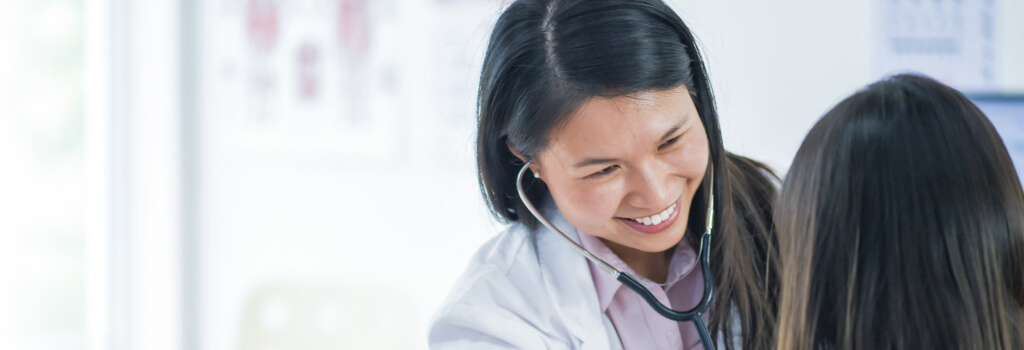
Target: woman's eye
{"x":604,"y":171}
{"x":670,"y":142}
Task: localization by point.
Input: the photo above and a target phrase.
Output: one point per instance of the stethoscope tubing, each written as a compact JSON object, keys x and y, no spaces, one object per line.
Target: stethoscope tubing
{"x":695,"y":314}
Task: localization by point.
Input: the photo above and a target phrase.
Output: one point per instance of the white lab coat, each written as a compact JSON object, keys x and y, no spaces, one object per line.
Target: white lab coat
{"x":530,"y":290}
{"x":525,"y":290}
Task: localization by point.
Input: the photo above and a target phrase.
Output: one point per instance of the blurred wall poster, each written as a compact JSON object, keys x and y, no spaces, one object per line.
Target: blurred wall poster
{"x":950,"y":40}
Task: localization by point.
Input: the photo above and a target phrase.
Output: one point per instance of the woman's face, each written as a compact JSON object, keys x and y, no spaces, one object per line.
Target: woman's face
{"x":626,"y":169}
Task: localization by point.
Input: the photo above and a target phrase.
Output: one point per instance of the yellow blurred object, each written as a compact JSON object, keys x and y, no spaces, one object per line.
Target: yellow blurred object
{"x":312,"y":317}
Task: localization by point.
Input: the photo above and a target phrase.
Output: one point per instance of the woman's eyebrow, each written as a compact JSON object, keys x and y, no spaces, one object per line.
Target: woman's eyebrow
{"x":673,"y":129}
{"x":593,"y":161}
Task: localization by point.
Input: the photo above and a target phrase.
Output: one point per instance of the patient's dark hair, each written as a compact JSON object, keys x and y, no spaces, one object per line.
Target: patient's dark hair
{"x":546,"y":58}
{"x":901,"y":225}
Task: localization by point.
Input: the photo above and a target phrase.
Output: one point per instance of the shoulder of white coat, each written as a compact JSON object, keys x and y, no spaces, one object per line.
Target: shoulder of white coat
{"x":500,"y":262}
{"x":499,"y":296}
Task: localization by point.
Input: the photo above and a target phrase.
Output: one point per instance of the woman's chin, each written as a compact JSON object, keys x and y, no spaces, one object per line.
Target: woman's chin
{"x":655,"y":243}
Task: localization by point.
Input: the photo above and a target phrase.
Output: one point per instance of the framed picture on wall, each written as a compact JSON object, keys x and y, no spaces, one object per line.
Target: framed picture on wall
{"x":1006,"y":111}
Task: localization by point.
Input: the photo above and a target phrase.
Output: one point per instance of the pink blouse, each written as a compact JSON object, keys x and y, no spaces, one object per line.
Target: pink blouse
{"x":638,"y":325}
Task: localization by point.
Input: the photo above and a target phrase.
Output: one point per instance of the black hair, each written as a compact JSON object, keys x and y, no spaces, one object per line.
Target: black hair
{"x":547,"y":57}
{"x":902,"y":227}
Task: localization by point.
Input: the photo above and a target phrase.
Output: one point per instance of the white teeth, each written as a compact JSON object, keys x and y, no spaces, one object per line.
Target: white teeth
{"x":657,"y":218}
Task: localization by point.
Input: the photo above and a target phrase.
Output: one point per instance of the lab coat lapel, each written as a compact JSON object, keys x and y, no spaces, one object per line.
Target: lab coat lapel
{"x":572,"y":286}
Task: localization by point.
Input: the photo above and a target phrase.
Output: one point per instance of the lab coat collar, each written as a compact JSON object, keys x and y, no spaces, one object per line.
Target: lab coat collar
{"x":606,"y":284}
{"x":572,"y":289}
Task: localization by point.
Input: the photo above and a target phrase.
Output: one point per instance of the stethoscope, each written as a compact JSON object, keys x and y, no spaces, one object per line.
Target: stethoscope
{"x":694,"y":314}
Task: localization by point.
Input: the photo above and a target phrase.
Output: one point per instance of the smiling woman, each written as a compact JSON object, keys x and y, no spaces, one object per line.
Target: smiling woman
{"x":619,"y":165}
{"x":609,"y":103}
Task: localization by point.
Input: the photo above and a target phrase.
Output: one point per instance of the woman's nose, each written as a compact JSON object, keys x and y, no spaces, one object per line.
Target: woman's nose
{"x":650,"y":187}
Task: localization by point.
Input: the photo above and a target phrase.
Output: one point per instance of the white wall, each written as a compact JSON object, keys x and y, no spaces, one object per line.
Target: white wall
{"x":778,"y":66}
{"x":133,"y":194}
{"x":374,"y":220}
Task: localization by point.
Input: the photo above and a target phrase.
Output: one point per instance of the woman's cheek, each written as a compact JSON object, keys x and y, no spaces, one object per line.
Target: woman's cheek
{"x":597,"y":205}
{"x":574,"y":201}
{"x":693,"y":158}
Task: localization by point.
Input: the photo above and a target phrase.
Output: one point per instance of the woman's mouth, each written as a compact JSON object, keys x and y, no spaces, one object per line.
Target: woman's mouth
{"x":654,"y":223}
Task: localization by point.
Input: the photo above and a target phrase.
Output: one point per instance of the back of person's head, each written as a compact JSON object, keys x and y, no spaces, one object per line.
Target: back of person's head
{"x":901,"y":226}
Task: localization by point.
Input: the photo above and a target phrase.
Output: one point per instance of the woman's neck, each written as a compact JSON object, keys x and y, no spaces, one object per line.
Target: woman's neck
{"x":652,"y":266}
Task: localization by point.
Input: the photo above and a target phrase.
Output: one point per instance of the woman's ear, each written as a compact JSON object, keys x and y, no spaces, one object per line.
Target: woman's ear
{"x":534,"y":167}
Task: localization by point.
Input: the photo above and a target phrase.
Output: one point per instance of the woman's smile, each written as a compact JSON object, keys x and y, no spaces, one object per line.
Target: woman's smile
{"x":655,"y":223}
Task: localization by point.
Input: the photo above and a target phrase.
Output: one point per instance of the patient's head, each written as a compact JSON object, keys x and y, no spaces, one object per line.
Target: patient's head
{"x":901,"y":226}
